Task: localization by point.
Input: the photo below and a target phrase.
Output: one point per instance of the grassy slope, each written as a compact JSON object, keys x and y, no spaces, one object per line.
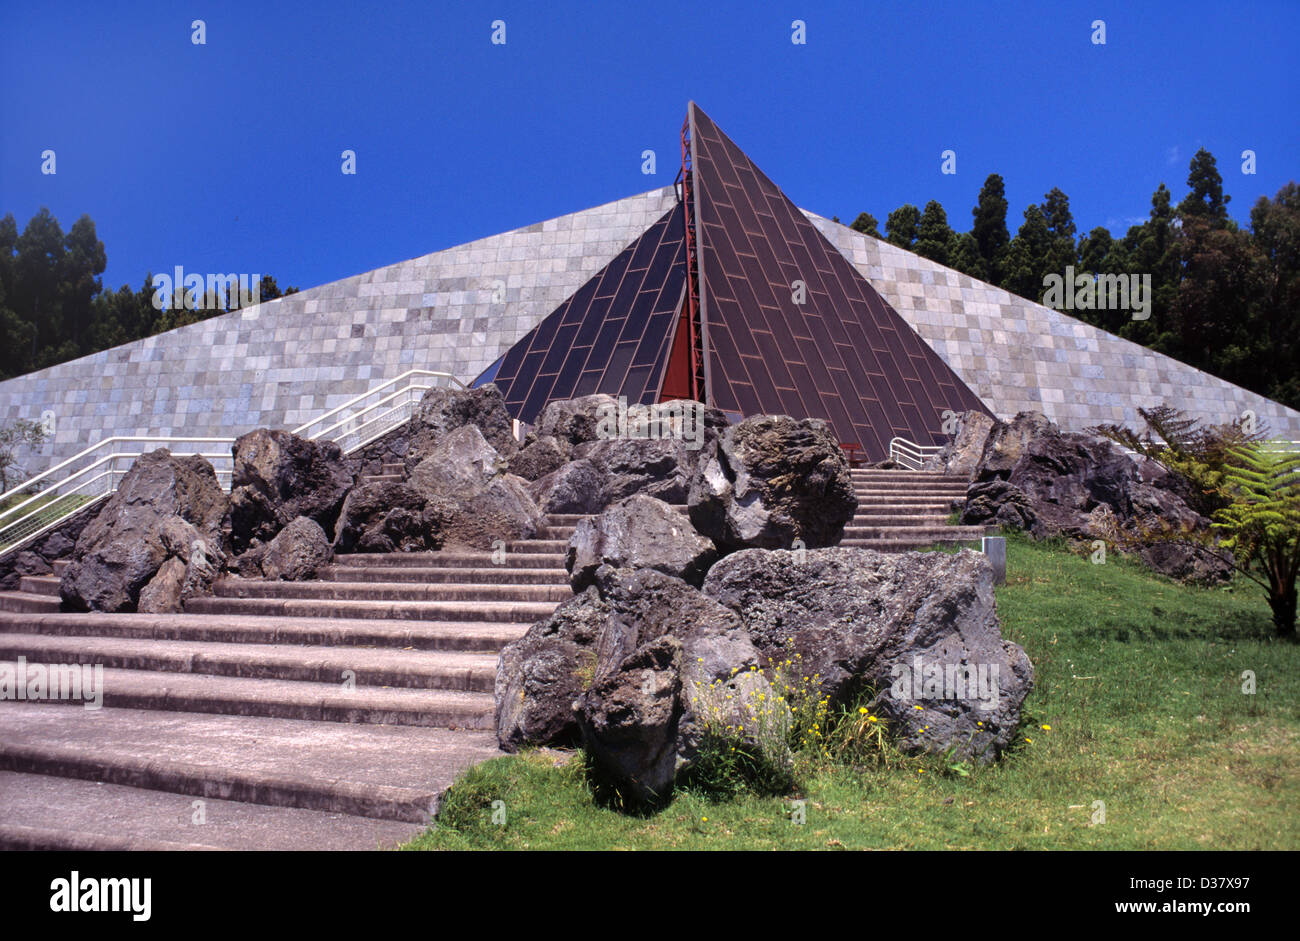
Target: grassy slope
{"x":51,"y":508}
{"x":1139,"y":679}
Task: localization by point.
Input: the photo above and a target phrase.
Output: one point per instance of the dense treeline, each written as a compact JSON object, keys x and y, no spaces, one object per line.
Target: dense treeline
{"x":1224,"y":299}
{"x":53,"y":306}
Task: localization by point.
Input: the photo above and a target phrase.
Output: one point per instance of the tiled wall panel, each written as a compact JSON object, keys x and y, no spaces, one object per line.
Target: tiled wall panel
{"x":1018,"y":355}
{"x":283,"y":362}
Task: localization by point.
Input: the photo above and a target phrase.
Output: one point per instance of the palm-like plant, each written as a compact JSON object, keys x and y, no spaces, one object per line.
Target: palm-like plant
{"x":1261,"y":523}
{"x":1198,"y":453}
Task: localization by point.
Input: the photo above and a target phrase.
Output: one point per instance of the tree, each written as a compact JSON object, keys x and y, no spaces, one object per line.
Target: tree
{"x":53,"y":306}
{"x":83,"y":261}
{"x":1261,"y":525}
{"x":866,"y":224}
{"x":934,"y":237}
{"x":1061,"y":250}
{"x":1198,"y":454}
{"x":1095,"y":249}
{"x":18,"y":433}
{"x":1150,"y":250}
{"x":990,"y":226}
{"x":1026,"y":257}
{"x":1100,"y":254}
{"x":1209,"y":318}
{"x":1206,"y":199}
{"x":269,"y":290}
{"x":1275,"y":225}
{"x":15,"y":331}
{"x":36,"y":292}
{"x":902,"y":224}
{"x":966,"y":257}
{"x":1249,"y":488}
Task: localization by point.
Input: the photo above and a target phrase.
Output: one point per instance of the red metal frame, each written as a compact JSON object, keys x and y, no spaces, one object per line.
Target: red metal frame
{"x":690,"y":319}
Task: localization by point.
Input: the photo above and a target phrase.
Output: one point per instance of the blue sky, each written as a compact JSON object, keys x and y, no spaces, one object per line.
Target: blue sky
{"x":226,"y":157}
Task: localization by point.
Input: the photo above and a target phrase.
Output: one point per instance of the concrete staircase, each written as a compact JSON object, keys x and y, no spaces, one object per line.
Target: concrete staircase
{"x":900,"y":510}
{"x":389,"y":472}
{"x":310,"y":715}
{"x":897,"y":510}
{"x":305,"y":715}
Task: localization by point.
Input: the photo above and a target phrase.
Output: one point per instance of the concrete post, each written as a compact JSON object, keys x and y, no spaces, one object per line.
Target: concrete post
{"x":995,"y":547}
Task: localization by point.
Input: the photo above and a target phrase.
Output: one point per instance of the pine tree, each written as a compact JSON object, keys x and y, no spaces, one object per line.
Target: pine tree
{"x":1275,"y":224}
{"x":1025,"y":264}
{"x":966,"y":257}
{"x":990,"y":227}
{"x":1206,"y":200}
{"x":866,"y":224}
{"x":1061,"y":249}
{"x":934,"y":237}
{"x":902,"y":224}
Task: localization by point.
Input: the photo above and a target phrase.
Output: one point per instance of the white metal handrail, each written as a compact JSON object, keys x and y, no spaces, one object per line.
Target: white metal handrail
{"x":92,"y":474}
{"x":1280,"y":444}
{"x":910,"y":454}
{"x":422,"y":378}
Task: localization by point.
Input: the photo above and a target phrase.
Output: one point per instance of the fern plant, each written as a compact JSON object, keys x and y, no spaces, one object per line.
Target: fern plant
{"x":1198,"y":453}
{"x":1261,"y":523}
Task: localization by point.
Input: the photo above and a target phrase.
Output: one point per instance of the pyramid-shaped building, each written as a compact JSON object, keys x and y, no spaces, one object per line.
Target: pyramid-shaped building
{"x":717,"y":288}
{"x":735,"y":298}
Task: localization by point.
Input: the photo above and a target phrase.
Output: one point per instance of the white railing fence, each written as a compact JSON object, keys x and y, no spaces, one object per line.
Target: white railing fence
{"x":911,"y":455}
{"x":50,"y":497}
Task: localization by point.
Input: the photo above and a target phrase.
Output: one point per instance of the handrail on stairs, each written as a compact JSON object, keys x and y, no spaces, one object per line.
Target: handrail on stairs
{"x":909,"y":454}
{"x":94,"y":473}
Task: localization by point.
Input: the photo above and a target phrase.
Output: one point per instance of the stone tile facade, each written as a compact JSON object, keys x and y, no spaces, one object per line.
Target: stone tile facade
{"x":1018,"y":355}
{"x":283,"y":362}
{"x":286,"y":361}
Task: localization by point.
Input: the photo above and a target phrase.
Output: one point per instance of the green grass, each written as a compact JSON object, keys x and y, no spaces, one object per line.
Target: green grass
{"x":1139,"y":679}
{"x":50,"y":506}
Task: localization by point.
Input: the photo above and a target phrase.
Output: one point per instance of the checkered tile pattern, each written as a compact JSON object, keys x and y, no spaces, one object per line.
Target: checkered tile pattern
{"x":286,"y":361}
{"x":1018,"y":355}
{"x":283,"y":362}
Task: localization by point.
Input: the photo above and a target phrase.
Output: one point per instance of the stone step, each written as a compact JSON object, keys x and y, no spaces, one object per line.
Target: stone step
{"x":918,"y":511}
{"x":470,"y":637}
{"x":393,"y":468}
{"x":383,"y":478}
{"x":19,"y":838}
{"x":405,"y":669}
{"x":26,"y":602}
{"x":904,"y":544}
{"x":909,"y":532}
{"x":60,"y":566}
{"x":909,"y":488}
{"x":390,"y":591}
{"x":453,"y":559}
{"x":859,"y":473}
{"x":538,"y":547}
{"x":47,"y":585}
{"x":292,"y":699}
{"x":896,"y":519}
{"x":499,"y":575}
{"x":904,"y":503}
{"x":511,"y":612}
{"x":42,"y":812}
{"x":881,"y":496}
{"x":564,"y":533}
{"x":572,"y":519}
{"x":386,"y":772}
